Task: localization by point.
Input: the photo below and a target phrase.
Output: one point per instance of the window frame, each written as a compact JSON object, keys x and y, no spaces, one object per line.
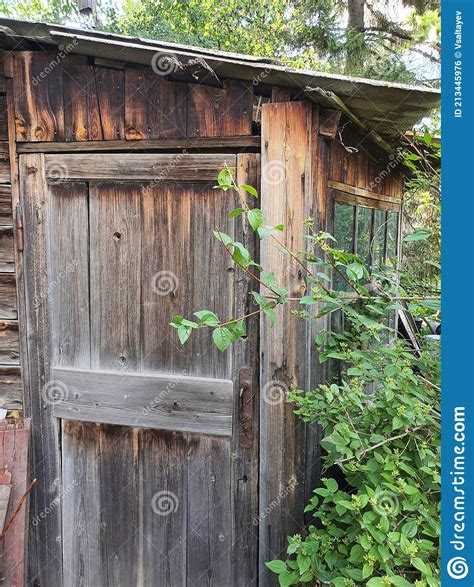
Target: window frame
{"x":361,"y":198}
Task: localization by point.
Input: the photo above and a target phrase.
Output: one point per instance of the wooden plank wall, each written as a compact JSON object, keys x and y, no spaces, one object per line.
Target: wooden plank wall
{"x":368,"y":167}
{"x":10,"y":375}
{"x":71,"y":100}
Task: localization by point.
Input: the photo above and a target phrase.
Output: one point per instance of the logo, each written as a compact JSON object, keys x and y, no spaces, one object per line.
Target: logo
{"x":457,"y":568}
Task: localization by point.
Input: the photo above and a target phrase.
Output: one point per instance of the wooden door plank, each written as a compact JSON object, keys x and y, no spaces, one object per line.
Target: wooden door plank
{"x":68,"y":291}
{"x":68,"y":297}
{"x":286,"y":135}
{"x":154,"y":108}
{"x":118,"y":486}
{"x":134,"y":166}
{"x":163,"y":506}
{"x":169,"y":402}
{"x":245,"y":441}
{"x":115,"y":248}
{"x":209,"y":538}
{"x":115,"y":258}
{"x":81,"y":503}
{"x":45,"y":552}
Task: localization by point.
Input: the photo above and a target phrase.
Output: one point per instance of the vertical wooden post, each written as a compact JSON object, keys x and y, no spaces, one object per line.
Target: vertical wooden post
{"x":45,"y":556}
{"x":286,"y":190}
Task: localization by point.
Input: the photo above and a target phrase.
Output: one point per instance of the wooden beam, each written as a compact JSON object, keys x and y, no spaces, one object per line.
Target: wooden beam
{"x":237,"y":143}
{"x":329,"y":122}
{"x":135,"y":167}
{"x":362,"y":192}
{"x":286,"y":186}
{"x":166,"y":402}
{"x":280,"y":94}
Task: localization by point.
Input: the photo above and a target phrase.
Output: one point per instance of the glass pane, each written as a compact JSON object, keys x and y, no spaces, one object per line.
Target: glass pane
{"x":343,"y":233}
{"x":343,"y":226}
{"x":378,"y":240}
{"x":364,"y":222}
{"x":392,"y":238}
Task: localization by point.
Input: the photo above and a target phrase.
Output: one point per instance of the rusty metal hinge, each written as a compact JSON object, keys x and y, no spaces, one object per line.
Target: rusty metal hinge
{"x":19,"y":227}
{"x":246,"y":408}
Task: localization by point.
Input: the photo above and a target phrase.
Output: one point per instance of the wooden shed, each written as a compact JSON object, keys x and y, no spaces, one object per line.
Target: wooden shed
{"x":160,"y":464}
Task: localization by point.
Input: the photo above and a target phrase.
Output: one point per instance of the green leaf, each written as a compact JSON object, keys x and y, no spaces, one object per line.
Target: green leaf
{"x":307,"y":300}
{"x":223,"y":237}
{"x":249,"y":189}
{"x":400,"y":581}
{"x":235,"y":213}
{"x":268,"y":278}
{"x":332,"y":485}
{"x":409,"y":529}
{"x":355,"y":271}
{"x":375,"y":582}
{"x":222,"y":338}
{"x":207,"y":318}
{"x":304,"y":563}
{"x":419,"y":234}
{"x":255,"y":218}
{"x":237,"y":329}
{"x":421,"y":566}
{"x":225,"y":178}
{"x":270,"y":313}
{"x":184,"y":333}
{"x":397,"y":423}
{"x":277,"y":566}
{"x":286,"y":579}
{"x":176,"y":321}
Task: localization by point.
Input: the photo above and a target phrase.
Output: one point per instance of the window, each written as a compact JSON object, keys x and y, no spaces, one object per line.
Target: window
{"x":370,"y":233}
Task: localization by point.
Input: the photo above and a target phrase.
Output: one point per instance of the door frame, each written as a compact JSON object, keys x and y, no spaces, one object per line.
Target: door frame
{"x":35,"y":170}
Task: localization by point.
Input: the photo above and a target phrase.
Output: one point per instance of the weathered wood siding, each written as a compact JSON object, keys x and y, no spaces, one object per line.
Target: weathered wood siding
{"x":10,"y":373}
{"x":67,"y":99}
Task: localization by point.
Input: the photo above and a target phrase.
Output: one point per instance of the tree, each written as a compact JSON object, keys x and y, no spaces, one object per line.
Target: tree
{"x":361,"y":37}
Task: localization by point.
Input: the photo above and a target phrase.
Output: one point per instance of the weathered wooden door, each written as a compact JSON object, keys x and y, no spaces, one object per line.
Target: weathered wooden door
{"x":145,"y":451}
